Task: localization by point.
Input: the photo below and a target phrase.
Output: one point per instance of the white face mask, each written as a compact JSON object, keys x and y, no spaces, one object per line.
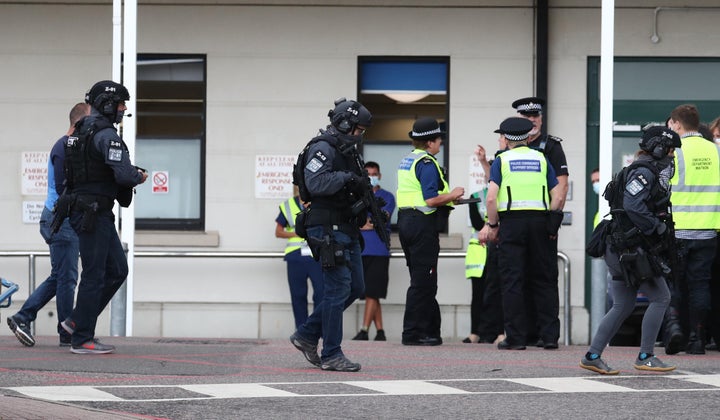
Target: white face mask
{"x":374,"y":180}
{"x":596,"y":187}
{"x":717,"y":141}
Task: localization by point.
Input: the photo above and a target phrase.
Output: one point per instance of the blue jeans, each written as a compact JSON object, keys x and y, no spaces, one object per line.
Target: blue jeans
{"x":104,"y":269}
{"x":299,"y":269}
{"x":63,"y":273}
{"x":341,"y":286}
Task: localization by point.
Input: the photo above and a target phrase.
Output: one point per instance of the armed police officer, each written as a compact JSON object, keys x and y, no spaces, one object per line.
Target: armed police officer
{"x":329,"y":174}
{"x":98,"y":171}
{"x":639,"y":198}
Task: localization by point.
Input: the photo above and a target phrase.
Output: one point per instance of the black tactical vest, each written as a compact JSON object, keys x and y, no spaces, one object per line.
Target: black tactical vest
{"x":83,"y":163}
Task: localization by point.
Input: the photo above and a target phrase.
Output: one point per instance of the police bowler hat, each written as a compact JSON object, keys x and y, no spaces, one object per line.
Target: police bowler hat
{"x":515,"y":128}
{"x":529,"y":106}
{"x":426,"y":128}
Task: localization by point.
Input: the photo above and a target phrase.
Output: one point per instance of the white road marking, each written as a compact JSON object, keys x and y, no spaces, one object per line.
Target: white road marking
{"x":66,"y":393}
{"x":571,"y":385}
{"x":397,"y":387}
{"x":407,"y":387}
{"x":713,"y":380}
{"x":237,"y":390}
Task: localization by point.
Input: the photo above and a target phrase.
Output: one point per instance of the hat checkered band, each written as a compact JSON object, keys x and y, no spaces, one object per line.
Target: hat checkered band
{"x":529,"y":107}
{"x":516,"y":137}
{"x":426,"y":133}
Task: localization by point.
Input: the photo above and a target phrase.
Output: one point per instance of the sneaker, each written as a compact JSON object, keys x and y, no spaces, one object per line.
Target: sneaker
{"x":92,"y":347}
{"x":308,"y":349}
{"x":362,"y":336}
{"x":380,"y":336}
{"x":654,"y":364}
{"x":69,"y":326}
{"x":65,"y":341}
{"x":597,"y":365}
{"x":21,"y":331}
{"x":340,"y":363}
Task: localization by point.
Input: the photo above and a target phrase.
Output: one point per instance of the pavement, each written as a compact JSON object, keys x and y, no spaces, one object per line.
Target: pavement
{"x":211,"y":378}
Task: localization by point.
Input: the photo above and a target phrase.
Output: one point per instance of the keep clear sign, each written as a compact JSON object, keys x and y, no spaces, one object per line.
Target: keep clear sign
{"x":34,"y":167}
{"x":273,"y":176}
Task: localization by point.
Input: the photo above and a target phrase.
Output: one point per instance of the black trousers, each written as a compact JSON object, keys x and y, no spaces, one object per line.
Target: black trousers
{"x":486,"y":313}
{"x":527,"y":263}
{"x":421,"y":244}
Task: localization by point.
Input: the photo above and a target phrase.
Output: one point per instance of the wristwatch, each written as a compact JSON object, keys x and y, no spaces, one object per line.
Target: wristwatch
{"x":493,"y":226}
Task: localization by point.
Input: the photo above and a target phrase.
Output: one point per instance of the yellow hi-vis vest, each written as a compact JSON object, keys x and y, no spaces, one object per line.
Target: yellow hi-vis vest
{"x":695,"y":194}
{"x":409,"y":193}
{"x":290,"y":210}
{"x":475,"y":257}
{"x":524,"y":180}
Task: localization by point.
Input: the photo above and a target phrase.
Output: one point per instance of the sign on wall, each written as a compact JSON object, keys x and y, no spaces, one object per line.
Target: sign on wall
{"x":34,"y":173}
{"x":160,"y":182}
{"x":31,"y":211}
{"x":273,"y":176}
{"x":476,"y":176}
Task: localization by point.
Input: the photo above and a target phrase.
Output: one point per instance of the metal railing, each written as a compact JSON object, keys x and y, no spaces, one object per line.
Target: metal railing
{"x":32,"y":255}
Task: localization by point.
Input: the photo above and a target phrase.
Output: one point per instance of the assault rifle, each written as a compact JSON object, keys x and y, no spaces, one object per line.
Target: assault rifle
{"x":370,"y":202}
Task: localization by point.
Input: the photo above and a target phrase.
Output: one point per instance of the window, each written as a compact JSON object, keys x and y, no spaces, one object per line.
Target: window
{"x":397,"y":91}
{"x":170,"y":143}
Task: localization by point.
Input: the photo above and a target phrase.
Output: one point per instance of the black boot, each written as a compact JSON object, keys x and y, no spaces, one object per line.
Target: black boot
{"x":674,"y":338}
{"x":696,"y":343}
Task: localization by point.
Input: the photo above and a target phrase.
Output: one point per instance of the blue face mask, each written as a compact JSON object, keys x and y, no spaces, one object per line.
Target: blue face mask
{"x":596,"y":187}
{"x":374,"y":181}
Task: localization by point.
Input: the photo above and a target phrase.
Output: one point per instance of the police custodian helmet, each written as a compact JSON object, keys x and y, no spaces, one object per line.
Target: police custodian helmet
{"x":349,"y":114}
{"x":105,"y":97}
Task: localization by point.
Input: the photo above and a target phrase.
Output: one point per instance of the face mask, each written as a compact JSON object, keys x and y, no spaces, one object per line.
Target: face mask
{"x":717,"y":141}
{"x":596,"y":187}
{"x":374,"y":181}
{"x":119,"y":116}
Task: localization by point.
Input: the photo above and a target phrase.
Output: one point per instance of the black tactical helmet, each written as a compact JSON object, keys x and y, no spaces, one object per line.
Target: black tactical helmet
{"x":105,"y":97}
{"x":348,"y":114}
{"x":658,"y":141}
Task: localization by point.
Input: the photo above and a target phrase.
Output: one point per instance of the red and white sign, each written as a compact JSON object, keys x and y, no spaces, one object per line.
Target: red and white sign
{"x":273,"y":176}
{"x":34,"y":169}
{"x":160,"y":182}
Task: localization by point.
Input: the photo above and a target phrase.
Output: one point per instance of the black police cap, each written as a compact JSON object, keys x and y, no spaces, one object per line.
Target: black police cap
{"x":529,"y":106}
{"x":426,"y":128}
{"x":515,"y":128}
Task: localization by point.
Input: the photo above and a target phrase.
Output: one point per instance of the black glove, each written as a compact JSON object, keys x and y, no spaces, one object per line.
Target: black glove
{"x":356,"y":184}
{"x":554,"y":220}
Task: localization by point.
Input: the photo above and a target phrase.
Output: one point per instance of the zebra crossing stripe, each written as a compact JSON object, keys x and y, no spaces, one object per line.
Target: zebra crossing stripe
{"x":571,"y":385}
{"x":237,"y":390}
{"x":66,"y":393}
{"x":713,"y":380}
{"x":407,"y":387}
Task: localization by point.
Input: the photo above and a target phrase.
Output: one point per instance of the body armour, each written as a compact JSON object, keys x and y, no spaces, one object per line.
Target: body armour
{"x":657,"y":202}
{"x":343,"y":162}
{"x":83,"y":163}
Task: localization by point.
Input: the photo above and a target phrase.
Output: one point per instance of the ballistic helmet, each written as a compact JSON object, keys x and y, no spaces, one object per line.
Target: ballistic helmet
{"x":658,"y":141}
{"x":349,"y":114}
{"x":105,"y":97}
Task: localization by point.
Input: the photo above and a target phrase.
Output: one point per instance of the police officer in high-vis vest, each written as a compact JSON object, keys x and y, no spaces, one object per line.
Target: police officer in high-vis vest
{"x":424,"y":201}
{"x":300,"y":263}
{"x":524,"y":216}
{"x":696,"y":211}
